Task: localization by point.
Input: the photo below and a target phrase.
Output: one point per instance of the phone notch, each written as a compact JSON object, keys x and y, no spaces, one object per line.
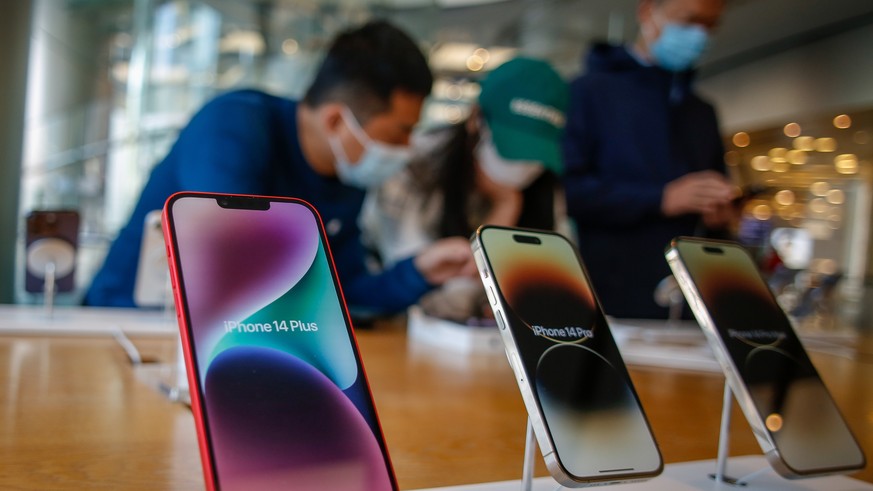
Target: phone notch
{"x":713,"y":250}
{"x":526,"y":239}
{"x":243,"y":202}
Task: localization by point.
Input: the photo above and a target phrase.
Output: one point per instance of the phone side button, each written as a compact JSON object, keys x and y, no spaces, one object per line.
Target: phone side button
{"x":490,"y":294}
{"x":516,"y":365}
{"x":499,"y":316}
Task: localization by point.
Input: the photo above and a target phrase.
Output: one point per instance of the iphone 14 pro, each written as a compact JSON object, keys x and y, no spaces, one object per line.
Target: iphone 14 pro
{"x":582,"y":405}
{"x":795,"y":420}
{"x":278,"y":389}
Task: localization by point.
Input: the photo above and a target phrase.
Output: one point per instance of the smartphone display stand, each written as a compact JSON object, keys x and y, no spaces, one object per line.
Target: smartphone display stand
{"x":720,"y":475}
{"x":50,"y":259}
{"x":530,"y":452}
{"x":724,"y":435}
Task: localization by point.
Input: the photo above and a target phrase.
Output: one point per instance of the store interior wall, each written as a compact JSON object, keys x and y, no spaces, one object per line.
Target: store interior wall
{"x":14,"y":48}
{"x":834,"y":72}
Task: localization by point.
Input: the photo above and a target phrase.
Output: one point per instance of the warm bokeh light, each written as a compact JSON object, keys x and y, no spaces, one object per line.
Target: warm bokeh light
{"x":732,"y":158}
{"x":825,"y":145}
{"x":774,"y":422}
{"x":741,"y":139}
{"x":761,"y":163}
{"x":819,"y":188}
{"x":843,"y":121}
{"x":792,"y":212}
{"x":805,"y":143}
{"x":778,"y":154}
{"x":818,"y":205}
{"x":762,"y":212}
{"x":483,"y":54}
{"x":835,"y":196}
{"x":784,"y":197}
{"x":781,"y":166}
{"x":475,"y":63}
{"x":796,"y":157}
{"x":861,"y":137}
{"x":846,"y":163}
{"x":791,"y":130}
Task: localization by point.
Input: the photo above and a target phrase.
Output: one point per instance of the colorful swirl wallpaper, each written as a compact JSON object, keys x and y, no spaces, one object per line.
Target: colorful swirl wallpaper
{"x":285,"y":404}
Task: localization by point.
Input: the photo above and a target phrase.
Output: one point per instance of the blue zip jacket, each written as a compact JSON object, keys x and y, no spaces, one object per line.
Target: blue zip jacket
{"x":631,"y":129}
{"x":246,"y":142}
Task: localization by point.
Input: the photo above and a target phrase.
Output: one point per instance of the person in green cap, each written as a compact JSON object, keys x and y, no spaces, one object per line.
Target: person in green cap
{"x":499,"y":166}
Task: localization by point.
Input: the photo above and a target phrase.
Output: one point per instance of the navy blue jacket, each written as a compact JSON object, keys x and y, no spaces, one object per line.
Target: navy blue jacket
{"x":247,"y":142}
{"x":631,"y":129}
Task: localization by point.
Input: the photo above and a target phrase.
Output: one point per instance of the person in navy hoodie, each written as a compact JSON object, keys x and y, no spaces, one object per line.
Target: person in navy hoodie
{"x":644,"y":159}
{"x":350,"y":131}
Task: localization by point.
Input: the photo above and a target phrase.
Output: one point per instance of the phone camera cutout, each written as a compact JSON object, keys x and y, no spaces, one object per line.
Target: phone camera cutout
{"x":526,"y":239}
{"x":713,"y":250}
{"x":243,"y":203}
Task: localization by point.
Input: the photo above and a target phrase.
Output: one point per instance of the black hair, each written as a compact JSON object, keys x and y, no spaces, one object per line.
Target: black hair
{"x":457,"y":181}
{"x":364,"y":66}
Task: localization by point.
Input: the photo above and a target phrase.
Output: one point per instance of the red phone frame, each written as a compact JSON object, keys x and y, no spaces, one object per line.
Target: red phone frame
{"x":206,"y":458}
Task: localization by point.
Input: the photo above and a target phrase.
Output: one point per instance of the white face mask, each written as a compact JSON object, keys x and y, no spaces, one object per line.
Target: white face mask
{"x":379,"y":161}
{"x":517,"y":174}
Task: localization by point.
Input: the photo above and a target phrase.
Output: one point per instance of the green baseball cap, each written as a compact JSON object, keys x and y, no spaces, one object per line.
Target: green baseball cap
{"x":524,"y":102}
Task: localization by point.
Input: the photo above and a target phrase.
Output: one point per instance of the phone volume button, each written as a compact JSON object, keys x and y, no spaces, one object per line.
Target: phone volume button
{"x":498,"y":315}
{"x":490,"y":294}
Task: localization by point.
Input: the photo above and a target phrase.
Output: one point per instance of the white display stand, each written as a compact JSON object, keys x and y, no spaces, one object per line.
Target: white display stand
{"x":49,"y":259}
{"x":452,"y":336}
{"x":90,"y":321}
{"x":692,"y":476}
{"x":706,"y":475}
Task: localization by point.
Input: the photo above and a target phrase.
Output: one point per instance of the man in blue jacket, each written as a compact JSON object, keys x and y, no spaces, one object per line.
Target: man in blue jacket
{"x":643,"y":154}
{"x":350,"y":132}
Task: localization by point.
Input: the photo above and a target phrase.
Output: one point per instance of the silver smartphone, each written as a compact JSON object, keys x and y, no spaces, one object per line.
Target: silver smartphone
{"x":795,"y":420}
{"x":585,"y":413}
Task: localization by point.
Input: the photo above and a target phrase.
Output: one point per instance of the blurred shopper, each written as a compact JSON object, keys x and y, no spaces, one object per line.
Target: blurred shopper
{"x":643,"y":153}
{"x":351,"y":131}
{"x":499,"y":166}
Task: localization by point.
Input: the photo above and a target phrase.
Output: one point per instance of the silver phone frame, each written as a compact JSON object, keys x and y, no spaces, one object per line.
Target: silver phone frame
{"x":535,"y":415}
{"x":730,"y":370}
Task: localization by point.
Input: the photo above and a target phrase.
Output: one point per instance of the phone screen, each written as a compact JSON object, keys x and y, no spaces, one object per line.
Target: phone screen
{"x":791,"y":401}
{"x":285,"y":404}
{"x":590,"y":409}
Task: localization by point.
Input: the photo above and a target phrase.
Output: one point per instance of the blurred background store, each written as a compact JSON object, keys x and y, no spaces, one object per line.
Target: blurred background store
{"x":95,"y":91}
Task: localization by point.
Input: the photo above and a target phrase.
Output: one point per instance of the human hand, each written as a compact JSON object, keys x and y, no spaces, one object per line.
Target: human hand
{"x":445,"y":259}
{"x":722,"y":216}
{"x":701,"y":192}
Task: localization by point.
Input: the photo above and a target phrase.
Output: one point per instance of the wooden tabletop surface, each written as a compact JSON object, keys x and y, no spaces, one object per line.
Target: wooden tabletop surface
{"x":76,"y":414}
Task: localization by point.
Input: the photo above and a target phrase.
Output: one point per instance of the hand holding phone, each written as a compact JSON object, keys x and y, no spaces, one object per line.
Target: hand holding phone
{"x":795,"y":420}
{"x":278,"y":390}
{"x":582,"y":405}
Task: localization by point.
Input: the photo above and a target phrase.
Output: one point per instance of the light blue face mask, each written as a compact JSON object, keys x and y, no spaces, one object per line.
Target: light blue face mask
{"x":379,"y":161}
{"x":679,"y":46}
